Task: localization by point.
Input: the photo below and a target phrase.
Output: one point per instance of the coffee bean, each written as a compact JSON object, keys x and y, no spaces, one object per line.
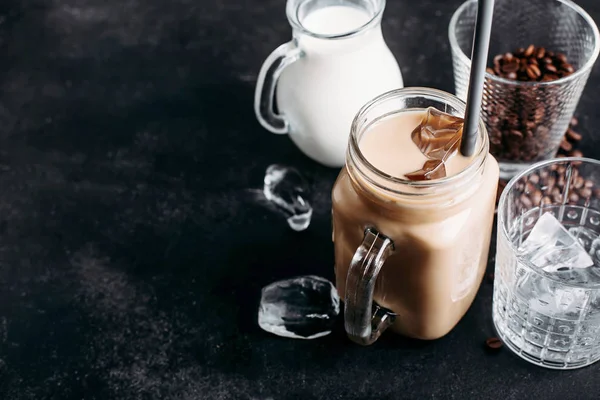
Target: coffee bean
{"x":574,"y":197}
{"x":556,"y":195}
{"x":573,"y":138}
{"x":575,"y":153}
{"x":541,"y":52}
{"x":529,"y":51}
{"x":510,"y":67}
{"x":550,"y":182}
{"x":546,"y":200}
{"x":494,"y":343}
{"x":585,"y":192}
{"x":538,"y":116}
{"x":565,"y":145}
{"x":533,"y":72}
{"x":536,"y":197}
{"x":574,"y":174}
{"x":530,"y":187}
{"x":526,"y":201}
{"x":568,"y":68}
{"x":571,"y":134}
{"x":517,"y":134}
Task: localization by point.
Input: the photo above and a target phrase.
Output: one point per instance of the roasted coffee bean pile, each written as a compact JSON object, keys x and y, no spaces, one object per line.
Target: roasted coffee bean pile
{"x":532,"y":64}
{"x":570,"y":142}
{"x":568,"y":148}
{"x":548,"y":187}
{"x":519,"y":118}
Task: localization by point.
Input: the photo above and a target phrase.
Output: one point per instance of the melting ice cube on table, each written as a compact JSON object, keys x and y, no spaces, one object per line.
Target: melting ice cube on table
{"x":552,"y":248}
{"x":286,"y":189}
{"x":302,"y":308}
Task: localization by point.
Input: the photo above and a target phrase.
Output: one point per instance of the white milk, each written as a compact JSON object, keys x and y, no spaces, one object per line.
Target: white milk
{"x":320,"y":94}
{"x":334,"y":20}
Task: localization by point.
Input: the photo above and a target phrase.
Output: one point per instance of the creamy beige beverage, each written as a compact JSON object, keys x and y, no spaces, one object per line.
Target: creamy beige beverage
{"x":389,"y":146}
{"x":440,"y":229}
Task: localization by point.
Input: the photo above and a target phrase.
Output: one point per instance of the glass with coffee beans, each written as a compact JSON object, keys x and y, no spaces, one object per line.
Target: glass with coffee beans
{"x":541,"y":55}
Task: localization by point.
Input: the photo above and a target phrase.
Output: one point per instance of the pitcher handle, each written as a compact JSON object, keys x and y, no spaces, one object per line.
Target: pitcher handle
{"x":364,"y":320}
{"x":264,"y":96}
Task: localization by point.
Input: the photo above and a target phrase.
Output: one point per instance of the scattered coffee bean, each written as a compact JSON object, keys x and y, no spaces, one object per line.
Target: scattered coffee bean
{"x":569,"y":143}
{"x":572,"y":135}
{"x":575,"y":153}
{"x":546,"y":193}
{"x":494,"y":343}
{"x":519,"y":124}
{"x":550,"y":187}
{"x":565,"y":145}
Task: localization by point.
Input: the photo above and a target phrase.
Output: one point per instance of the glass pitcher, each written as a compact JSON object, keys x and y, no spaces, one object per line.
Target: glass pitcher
{"x":336,"y":62}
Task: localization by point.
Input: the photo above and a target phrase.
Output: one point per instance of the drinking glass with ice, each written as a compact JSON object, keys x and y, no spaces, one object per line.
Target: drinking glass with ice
{"x":547,"y":289}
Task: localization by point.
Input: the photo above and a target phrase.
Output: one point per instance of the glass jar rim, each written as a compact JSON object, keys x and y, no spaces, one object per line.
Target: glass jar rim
{"x":478,"y":160}
{"x":292,"y":9}
{"x":587,"y":66}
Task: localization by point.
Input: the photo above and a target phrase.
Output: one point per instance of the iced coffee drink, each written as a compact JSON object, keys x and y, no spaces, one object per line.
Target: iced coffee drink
{"x":412,"y":217}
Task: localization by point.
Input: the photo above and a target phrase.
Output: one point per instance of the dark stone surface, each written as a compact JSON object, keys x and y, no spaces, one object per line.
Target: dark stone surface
{"x":131,"y":253}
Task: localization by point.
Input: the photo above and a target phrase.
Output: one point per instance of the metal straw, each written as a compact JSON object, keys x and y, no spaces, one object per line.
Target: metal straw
{"x":481,"y":44}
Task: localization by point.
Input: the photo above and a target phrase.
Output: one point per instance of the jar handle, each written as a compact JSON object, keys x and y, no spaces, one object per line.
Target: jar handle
{"x":364,"y":320}
{"x":264,"y":95}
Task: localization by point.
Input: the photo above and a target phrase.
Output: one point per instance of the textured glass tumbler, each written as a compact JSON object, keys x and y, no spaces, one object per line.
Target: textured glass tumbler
{"x":551,"y":319}
{"x":526,"y":121}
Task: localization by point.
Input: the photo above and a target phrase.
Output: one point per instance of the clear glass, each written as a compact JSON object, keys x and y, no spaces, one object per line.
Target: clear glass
{"x":410,"y":255}
{"x":527,"y":120}
{"x":551,"y":319}
{"x":318,"y":81}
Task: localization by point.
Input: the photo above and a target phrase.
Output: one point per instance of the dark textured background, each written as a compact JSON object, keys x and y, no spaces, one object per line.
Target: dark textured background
{"x":131,"y":250}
